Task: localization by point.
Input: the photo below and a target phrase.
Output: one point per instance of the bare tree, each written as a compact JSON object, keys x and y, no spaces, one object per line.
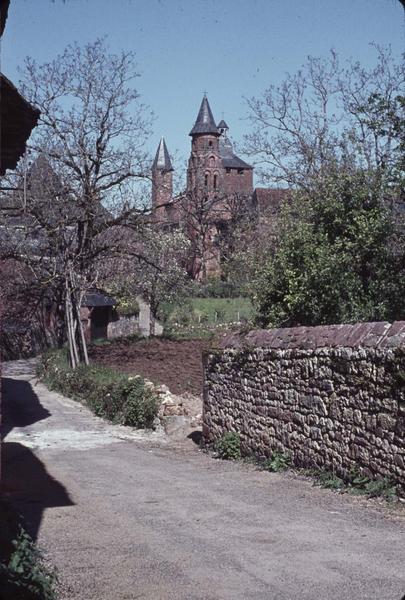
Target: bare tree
{"x":208,"y":218}
{"x":154,"y":267}
{"x":318,"y":117}
{"x":91,"y":133}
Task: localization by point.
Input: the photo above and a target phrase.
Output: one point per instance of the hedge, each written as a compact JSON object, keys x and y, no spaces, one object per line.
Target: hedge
{"x":114,"y":396}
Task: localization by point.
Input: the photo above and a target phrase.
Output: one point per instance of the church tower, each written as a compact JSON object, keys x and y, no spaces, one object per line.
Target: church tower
{"x":162,"y":181}
{"x":204,"y":165}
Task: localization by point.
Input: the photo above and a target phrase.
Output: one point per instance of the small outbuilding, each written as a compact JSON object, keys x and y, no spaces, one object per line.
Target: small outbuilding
{"x":97,"y":311}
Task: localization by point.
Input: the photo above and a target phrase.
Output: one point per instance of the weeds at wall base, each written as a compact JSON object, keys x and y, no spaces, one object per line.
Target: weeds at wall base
{"x":228,"y":448}
{"x":357,"y":485}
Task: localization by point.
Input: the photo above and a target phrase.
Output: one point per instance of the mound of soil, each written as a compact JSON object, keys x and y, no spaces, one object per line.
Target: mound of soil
{"x":176,"y":364}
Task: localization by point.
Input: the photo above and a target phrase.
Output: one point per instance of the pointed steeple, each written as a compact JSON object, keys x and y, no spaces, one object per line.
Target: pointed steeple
{"x":162,"y":160}
{"x":222,"y":125}
{"x":205,"y":121}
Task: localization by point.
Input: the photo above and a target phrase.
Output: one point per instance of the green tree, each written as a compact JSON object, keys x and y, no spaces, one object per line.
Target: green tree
{"x":339,"y":258}
{"x":335,"y":136}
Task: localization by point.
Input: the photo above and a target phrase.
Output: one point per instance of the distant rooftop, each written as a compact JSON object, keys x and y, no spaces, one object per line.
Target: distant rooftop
{"x":229,"y":158}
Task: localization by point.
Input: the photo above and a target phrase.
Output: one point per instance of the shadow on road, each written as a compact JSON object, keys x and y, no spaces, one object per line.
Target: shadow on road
{"x":24,"y":479}
{"x":195,"y":436}
{"x":20,"y":405}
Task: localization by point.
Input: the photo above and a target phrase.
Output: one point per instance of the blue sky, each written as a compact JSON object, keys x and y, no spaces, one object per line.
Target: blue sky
{"x":228,"y":48}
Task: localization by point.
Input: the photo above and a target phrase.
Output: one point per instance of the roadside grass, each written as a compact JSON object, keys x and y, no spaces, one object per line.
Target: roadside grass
{"x":356,"y":484}
{"x":109,"y":394}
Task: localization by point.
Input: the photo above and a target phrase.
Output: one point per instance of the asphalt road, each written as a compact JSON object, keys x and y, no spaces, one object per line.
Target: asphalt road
{"x":127,"y":515}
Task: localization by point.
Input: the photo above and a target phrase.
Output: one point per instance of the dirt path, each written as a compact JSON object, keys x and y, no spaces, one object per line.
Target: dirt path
{"x":126,"y":515}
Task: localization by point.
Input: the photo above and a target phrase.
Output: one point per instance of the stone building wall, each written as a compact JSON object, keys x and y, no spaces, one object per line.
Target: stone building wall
{"x":334,"y":397}
{"x":237,"y":181}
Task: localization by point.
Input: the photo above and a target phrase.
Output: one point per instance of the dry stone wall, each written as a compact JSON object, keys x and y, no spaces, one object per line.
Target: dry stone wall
{"x":333,"y":396}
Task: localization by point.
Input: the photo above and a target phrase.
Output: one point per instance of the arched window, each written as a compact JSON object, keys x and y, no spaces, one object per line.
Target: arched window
{"x":206,"y":180}
{"x":215,"y":181}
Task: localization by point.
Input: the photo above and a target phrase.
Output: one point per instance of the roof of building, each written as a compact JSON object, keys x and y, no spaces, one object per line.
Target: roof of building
{"x":222,"y":125}
{"x":162,"y":160}
{"x":98,"y":298}
{"x":4,"y":4}
{"x":229,"y":158}
{"x":18,"y":118}
{"x":205,"y":122}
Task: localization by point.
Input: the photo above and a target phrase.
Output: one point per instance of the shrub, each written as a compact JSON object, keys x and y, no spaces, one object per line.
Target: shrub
{"x":25,"y":576}
{"x":108,"y":394}
{"x":279,"y":461}
{"x":228,"y":446}
{"x":140,"y":406}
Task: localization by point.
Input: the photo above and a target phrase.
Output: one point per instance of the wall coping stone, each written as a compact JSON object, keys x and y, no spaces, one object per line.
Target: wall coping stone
{"x":379,"y":334}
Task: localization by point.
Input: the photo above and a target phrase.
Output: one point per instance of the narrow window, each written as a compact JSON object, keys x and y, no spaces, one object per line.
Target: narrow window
{"x":206,"y":180}
{"x":228,"y":170}
{"x":215,"y":182}
{"x":210,"y":144}
{"x":240,"y":171}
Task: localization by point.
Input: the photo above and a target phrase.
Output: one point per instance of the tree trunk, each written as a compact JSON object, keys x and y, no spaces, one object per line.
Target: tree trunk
{"x":77,"y":341}
{"x":83,"y":342}
{"x":73,"y":355}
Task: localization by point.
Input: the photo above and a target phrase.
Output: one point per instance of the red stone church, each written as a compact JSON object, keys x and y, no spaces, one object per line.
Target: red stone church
{"x":219,"y":189}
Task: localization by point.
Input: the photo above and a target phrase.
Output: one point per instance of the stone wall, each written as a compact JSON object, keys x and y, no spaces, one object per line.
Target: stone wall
{"x":334,"y":397}
{"x":123,"y":326}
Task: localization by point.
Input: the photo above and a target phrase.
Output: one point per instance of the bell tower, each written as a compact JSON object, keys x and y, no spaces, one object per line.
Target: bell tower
{"x":162,"y":181}
{"x":204,"y":165}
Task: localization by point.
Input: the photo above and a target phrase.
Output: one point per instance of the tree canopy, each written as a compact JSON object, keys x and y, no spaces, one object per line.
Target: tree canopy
{"x":334,"y":135}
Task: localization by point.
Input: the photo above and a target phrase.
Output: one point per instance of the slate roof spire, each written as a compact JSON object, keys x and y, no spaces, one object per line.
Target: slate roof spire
{"x":162,"y":160}
{"x":205,"y":121}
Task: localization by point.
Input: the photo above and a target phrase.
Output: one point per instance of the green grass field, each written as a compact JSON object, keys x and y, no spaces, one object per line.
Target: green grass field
{"x":210,"y":312}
